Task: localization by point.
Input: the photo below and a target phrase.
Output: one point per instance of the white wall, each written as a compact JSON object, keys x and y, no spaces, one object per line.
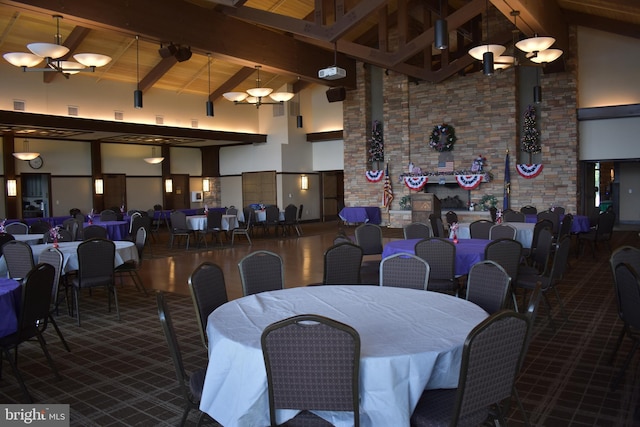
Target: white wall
{"x":629,"y":192}
{"x":611,"y":139}
{"x":328,"y":155}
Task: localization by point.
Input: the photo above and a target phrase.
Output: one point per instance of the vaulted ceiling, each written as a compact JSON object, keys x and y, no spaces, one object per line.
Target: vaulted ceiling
{"x":290,"y":39}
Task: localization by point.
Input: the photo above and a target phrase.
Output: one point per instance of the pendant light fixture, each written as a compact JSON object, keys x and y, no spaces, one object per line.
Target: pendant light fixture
{"x":441,"y":32}
{"x":299,"y":116}
{"x":51,"y":53}
{"x":153,"y":160}
{"x":25,"y":154}
{"x":537,"y":89}
{"x":209,"y":103}
{"x":137,"y":94}
{"x":486,"y":52}
{"x":255,"y":96}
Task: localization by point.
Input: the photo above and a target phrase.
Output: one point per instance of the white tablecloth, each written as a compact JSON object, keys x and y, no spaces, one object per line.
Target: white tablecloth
{"x":410,"y":340}
{"x":125,"y":251}
{"x":524,"y":232}
{"x":29,"y":238}
{"x":199,"y":222}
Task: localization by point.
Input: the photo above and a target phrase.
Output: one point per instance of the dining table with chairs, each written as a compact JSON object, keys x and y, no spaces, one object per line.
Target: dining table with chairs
{"x":524,"y":232}
{"x":116,"y":230}
{"x":411,"y":340}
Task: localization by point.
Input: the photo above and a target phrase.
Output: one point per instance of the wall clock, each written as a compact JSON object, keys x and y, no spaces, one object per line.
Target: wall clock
{"x":36,"y":163}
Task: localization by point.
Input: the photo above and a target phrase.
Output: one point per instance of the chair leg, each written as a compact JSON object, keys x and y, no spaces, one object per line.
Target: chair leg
{"x":16,"y":372}
{"x":564,"y":313}
{"x":519,"y":402}
{"x":138,"y":281}
{"x":618,"y":378}
{"x":55,"y":326}
{"x":185,"y":414}
{"x":43,"y":345}
{"x":615,"y":350}
{"x":76,"y":295}
{"x":115,"y":297}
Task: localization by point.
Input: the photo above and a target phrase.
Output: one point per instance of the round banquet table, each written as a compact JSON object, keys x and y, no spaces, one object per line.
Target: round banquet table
{"x":524,"y":232}
{"x":10,"y":296}
{"x":410,"y":340}
{"x":116,"y":230}
{"x":29,"y":238}
{"x":468,"y":252}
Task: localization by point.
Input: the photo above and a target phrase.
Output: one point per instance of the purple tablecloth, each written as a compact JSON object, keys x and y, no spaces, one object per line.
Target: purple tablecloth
{"x":10,"y":296}
{"x":361,"y":214}
{"x":468,"y":252}
{"x":116,"y":230}
{"x":580,"y":223}
{"x":53,"y":220}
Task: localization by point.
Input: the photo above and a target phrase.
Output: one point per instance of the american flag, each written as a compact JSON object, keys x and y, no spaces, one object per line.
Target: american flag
{"x":387,"y":195}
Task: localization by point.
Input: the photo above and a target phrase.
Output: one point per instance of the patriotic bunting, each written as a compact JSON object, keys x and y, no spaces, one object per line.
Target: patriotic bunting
{"x":529,"y":171}
{"x":469,"y":182}
{"x":415,"y":182}
{"x":374,"y":176}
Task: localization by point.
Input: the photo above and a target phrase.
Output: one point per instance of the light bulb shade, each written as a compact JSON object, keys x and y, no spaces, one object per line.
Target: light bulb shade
{"x":69,"y":67}
{"x":22,"y":59}
{"x":503,"y":61}
{"x":99,"y":186}
{"x":478,"y":51}
{"x":281,"y":96}
{"x":235,"y":96}
{"x":487,"y":63}
{"x":545,"y":56}
{"x":299,"y":122}
{"x":153,"y":160}
{"x":537,"y":94}
{"x":48,"y":50}
{"x":259,"y":92}
{"x":25,"y":155}
{"x":92,"y":59}
{"x":252,"y":99}
{"x":137,"y":98}
{"x":12,"y":188}
{"x":535,"y":44}
{"x":441,"y":34}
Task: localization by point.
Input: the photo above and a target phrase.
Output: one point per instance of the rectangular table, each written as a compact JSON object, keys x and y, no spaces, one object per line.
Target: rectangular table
{"x":410,"y":340}
{"x":524,"y":232}
{"x":361,"y":214}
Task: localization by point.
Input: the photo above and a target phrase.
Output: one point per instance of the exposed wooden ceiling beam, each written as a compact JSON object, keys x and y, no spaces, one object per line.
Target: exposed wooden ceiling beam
{"x":603,"y":24}
{"x":232,"y":83}
{"x":156,"y":73}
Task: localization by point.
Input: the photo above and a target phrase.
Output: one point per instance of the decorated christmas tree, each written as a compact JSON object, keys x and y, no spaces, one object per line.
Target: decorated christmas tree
{"x":530,"y":143}
{"x":376,"y":147}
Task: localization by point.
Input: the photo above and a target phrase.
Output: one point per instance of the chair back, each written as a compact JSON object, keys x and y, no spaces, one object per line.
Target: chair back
{"x":95,"y":262}
{"x":488,"y":286}
{"x":141,"y":241}
{"x":565,"y":226}
{"x":506,"y":253}
{"x":290,"y":213}
{"x":303,"y":356}
{"x":440,"y":254}
{"x":529,"y":210}
{"x":71,"y":225}
{"x":300,"y":212}
{"x":261,"y":271}
{"x":404,"y":270}
{"x":178,"y":221}
{"x":39,"y":227}
{"x":132,"y":222}
{"x":513,"y":216}
{"x":493,"y":212}
{"x":437,"y":227}
{"x":559,"y":210}
{"x":532,"y":313}
{"x":17,"y":228}
{"x":249,"y":218}
{"x":272,"y":214}
{"x":108,"y":215}
{"x":232,"y":211}
{"x":541,"y":256}
{"x":214,"y":220}
{"x":625,"y":254}
{"x":369,"y":238}
{"x":627,"y":287}
{"x":36,"y":299}
{"x":604,"y":228}
{"x":53,"y":257}
{"x":94,"y":231}
{"x":65,"y":235}
{"x":502,"y":231}
{"x":342,"y":264}
{"x":553,"y":217}
{"x":417,"y":230}
{"x":480,"y":229}
{"x":545,"y":223}
{"x":594,"y":214}
{"x":4,"y":238}
{"x":19,"y":258}
{"x":560,"y":260}
{"x":208,"y":292}
{"x":490,"y":362}
{"x":451,"y":217}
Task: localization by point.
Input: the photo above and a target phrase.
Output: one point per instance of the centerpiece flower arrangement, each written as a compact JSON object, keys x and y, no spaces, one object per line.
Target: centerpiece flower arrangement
{"x":454,"y":231}
{"x":2,"y":229}
{"x":54,"y":232}
{"x":442,"y":137}
{"x":90,"y":216}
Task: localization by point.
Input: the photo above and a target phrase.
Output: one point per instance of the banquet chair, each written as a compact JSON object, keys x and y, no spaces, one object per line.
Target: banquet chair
{"x":133,"y":227}
{"x":490,"y":362}
{"x":108,"y":215}
{"x":559,"y":210}
{"x":550,"y":278}
{"x":272,"y":219}
{"x":553,"y":217}
{"x":565,"y":227}
{"x":627,"y":288}
{"x":629,"y":255}
{"x":132,"y":267}
{"x":529,"y":210}
{"x":244,"y":228}
{"x":4,"y":238}
{"x":261,"y":271}
{"x":513,"y":216}
{"x":440,"y":254}
{"x":404,"y":270}
{"x":39,"y":227}
{"x":35,"y":306}
{"x":19,"y":258}
{"x":208,"y":292}
{"x":480,"y":229}
{"x":179,"y":227}
{"x":493,"y":212}
{"x":417,"y":230}
{"x":94,"y":231}
{"x":488,"y":286}
{"x":299,"y":220}
{"x":507,"y":253}
{"x":342,"y":264}
{"x":369,"y":238}
{"x":502,"y":231}
{"x":527,"y":253}
{"x":214,"y":226}
{"x":17,"y":228}
{"x":437,"y":227}
{"x":303,"y":357}
{"x":71,"y":225}
{"x":95,"y":269}
{"x":232,"y":210}
{"x":54,"y":258}
{"x":602,"y":233}
{"x":451,"y":217}
{"x":290,"y":221}
{"x":594,"y":214}
{"x":190,"y":385}
{"x":541,"y":256}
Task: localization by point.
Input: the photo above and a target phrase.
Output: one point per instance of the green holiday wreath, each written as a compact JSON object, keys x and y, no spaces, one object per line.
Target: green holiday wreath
{"x":488,"y":201}
{"x":442,"y":137}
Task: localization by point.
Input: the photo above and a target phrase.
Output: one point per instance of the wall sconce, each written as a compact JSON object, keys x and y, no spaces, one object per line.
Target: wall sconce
{"x":304,"y":182}
{"x":99,"y":186}
{"x":168,"y":185}
{"x":206,"y":185}
{"x":12,"y":188}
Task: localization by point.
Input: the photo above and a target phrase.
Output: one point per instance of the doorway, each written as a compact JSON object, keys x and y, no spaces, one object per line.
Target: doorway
{"x":332,"y":194}
{"x":35,"y":190}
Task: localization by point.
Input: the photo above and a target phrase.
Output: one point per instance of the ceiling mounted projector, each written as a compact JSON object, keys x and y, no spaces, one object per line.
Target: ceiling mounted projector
{"x":332,"y":73}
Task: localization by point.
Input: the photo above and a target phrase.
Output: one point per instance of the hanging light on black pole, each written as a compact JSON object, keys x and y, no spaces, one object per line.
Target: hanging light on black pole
{"x":137,"y":94}
{"x":299,"y":116}
{"x":209,"y":103}
{"x":441,"y":33}
{"x":487,"y":63}
{"x":537,"y":89}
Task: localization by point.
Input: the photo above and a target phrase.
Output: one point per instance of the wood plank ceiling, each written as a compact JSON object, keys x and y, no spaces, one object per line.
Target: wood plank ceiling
{"x":290,"y":39}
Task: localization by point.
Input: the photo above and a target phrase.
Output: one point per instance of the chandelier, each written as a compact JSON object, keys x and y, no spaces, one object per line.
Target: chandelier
{"x":153,"y":160}
{"x":52,"y":53}
{"x":255,"y":96}
{"x":25,"y":154}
